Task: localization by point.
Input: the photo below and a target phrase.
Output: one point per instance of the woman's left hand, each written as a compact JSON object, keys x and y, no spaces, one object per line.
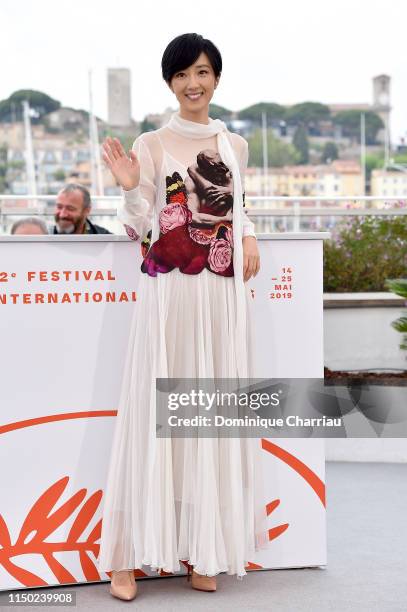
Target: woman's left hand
{"x":251,"y":257}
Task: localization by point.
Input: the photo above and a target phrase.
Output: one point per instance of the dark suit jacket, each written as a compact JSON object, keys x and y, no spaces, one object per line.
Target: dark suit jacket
{"x":91,"y":228}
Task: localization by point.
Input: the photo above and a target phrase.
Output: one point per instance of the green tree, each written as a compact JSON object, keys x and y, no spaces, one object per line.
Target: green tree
{"x":254,"y":113}
{"x":3,"y":153}
{"x":12,"y":108}
{"x":3,"y":168}
{"x":300,"y":142}
{"x":329,"y":152}
{"x":279,"y":153}
{"x":307,"y":113}
{"x":147,"y":126}
{"x":372,"y":162}
{"x":349,"y":121}
{"x":400,"y":158}
{"x":219,"y":112}
{"x":59,"y":175}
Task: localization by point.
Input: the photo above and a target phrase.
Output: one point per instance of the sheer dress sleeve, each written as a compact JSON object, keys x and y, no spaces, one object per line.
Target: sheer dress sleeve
{"x":248,"y":225}
{"x":135,"y":210}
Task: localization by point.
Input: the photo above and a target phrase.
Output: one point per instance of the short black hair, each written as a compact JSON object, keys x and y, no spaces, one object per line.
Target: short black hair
{"x":184,"y":50}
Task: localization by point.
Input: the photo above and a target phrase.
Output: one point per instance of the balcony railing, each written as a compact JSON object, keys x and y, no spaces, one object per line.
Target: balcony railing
{"x":292,"y":213}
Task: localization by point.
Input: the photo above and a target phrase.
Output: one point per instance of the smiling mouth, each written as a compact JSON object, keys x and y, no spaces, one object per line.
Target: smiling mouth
{"x":194,"y":96}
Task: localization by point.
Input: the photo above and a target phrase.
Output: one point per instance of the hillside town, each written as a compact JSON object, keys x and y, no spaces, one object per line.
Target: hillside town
{"x":307,"y":149}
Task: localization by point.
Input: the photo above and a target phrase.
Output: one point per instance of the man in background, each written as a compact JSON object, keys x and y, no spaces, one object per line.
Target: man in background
{"x":73,"y":205}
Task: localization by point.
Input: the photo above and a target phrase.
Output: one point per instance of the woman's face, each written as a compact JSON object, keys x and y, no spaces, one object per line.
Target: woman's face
{"x":194,"y":86}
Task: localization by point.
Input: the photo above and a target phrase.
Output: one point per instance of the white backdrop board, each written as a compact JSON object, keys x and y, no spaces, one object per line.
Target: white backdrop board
{"x":66,"y":304}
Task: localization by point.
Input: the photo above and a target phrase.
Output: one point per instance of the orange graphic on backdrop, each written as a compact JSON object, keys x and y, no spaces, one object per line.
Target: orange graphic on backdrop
{"x":43,"y":519}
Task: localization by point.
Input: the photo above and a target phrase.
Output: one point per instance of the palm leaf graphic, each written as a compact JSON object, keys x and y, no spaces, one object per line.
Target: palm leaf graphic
{"x":59,"y":571}
{"x":41,"y":522}
{"x":38,"y":519}
{"x":95,"y":534}
{"x":25,"y":577}
{"x":88,"y":567}
{"x":274,"y":532}
{"x":5,"y":540}
{"x":82,"y":519}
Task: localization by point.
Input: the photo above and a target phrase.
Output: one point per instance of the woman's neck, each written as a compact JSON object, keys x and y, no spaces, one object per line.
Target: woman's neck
{"x":198,"y":117}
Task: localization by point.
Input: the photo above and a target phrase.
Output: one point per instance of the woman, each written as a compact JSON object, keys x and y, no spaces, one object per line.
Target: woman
{"x":190,"y":499}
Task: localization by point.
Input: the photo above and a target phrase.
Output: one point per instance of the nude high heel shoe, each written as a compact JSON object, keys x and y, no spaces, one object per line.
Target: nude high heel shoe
{"x":123,"y":584}
{"x":200,"y":582}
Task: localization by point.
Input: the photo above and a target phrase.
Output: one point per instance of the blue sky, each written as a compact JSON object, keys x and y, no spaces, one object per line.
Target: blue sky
{"x":283,"y":52}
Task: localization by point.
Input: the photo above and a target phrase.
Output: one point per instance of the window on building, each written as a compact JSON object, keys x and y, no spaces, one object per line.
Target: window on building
{"x":49,"y":156}
{"x":82,"y":156}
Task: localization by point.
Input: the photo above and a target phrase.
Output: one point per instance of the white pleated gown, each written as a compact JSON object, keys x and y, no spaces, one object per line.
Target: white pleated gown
{"x":195,"y":499}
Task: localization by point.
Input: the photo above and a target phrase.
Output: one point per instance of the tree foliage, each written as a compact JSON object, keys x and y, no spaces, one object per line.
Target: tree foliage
{"x":349,"y":121}
{"x":329,"y":152}
{"x":12,"y":108}
{"x":279,"y":153}
{"x":219,"y":112}
{"x":147,"y":126}
{"x":307,"y":113}
{"x":254,"y":113}
{"x":300,"y":142}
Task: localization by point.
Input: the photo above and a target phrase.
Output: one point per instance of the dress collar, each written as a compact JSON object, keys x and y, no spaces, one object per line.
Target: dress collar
{"x":192,"y":129}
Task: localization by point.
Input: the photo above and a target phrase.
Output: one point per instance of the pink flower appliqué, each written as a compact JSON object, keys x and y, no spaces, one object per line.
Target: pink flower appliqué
{"x":220,"y":254}
{"x":174,"y":215}
{"x":199,"y":236}
{"x":131,"y":232}
{"x":229,"y":236}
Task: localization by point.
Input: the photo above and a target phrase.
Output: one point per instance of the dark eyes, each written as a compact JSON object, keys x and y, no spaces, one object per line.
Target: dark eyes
{"x":69,"y":208}
{"x":183,"y":73}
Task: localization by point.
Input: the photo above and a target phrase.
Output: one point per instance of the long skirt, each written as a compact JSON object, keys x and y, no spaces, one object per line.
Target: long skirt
{"x":195,"y":499}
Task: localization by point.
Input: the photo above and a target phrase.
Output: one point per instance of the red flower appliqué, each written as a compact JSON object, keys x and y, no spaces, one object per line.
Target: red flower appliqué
{"x":179,"y":197}
{"x":189,"y":246}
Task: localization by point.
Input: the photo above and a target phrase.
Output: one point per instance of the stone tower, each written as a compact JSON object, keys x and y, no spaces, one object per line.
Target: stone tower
{"x":381,"y":101}
{"x":119,"y":97}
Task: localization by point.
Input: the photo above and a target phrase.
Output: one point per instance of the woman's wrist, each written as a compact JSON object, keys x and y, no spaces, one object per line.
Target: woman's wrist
{"x":130,"y":187}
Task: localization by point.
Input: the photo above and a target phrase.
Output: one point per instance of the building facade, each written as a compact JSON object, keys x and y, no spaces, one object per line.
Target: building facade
{"x":340,"y":178}
{"x":390,"y":183}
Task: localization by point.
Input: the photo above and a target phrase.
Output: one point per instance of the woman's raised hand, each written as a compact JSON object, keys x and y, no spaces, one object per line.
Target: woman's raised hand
{"x":125,"y":168}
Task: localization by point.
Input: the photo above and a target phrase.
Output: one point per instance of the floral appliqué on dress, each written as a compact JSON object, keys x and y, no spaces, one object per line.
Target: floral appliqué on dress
{"x":196,"y":223}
